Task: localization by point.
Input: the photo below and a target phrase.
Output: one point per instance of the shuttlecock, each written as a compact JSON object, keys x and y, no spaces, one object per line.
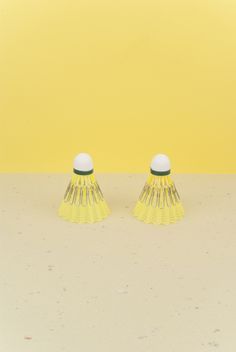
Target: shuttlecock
{"x":83,"y":201}
{"x":159,"y":201}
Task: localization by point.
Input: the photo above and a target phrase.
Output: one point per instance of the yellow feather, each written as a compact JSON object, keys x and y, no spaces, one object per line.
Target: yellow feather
{"x":159,"y":202}
{"x":83,"y":201}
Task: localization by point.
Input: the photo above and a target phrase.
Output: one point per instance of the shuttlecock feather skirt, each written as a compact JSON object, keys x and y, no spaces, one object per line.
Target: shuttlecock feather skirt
{"x":83,"y":201}
{"x":159,"y":202}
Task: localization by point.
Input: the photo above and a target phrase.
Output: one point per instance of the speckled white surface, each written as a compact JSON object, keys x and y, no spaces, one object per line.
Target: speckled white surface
{"x":118,"y":285}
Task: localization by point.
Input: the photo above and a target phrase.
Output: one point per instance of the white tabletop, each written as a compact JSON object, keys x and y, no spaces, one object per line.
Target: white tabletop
{"x":118,"y":285}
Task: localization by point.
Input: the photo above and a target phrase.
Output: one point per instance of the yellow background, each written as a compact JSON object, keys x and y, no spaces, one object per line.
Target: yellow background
{"x":120,"y":79}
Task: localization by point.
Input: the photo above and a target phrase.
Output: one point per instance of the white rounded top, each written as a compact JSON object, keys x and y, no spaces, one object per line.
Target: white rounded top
{"x":160,"y":163}
{"x":83,"y":162}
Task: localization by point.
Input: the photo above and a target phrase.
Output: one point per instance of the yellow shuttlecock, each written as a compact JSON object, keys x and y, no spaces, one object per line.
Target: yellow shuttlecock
{"x":83,"y":201}
{"x":159,"y":201}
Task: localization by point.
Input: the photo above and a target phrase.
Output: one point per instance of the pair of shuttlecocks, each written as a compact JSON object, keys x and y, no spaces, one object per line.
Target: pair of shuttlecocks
{"x":158,"y":203}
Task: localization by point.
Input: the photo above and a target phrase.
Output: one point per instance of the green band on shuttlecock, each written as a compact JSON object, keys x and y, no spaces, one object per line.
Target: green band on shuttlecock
{"x":84,"y":173}
{"x":160,"y":173}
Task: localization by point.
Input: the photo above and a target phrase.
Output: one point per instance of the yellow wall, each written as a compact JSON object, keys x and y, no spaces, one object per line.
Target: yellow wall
{"x":120,"y":79}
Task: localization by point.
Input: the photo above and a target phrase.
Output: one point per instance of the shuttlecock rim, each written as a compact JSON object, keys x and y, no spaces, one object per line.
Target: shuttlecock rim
{"x":83,"y":164}
{"x":160,"y":165}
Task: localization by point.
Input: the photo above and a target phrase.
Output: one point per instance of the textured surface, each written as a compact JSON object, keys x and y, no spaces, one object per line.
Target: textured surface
{"x":118,"y":285}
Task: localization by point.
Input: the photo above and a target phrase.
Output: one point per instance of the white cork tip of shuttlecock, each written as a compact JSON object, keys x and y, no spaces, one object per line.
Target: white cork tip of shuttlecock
{"x":160,"y":163}
{"x":83,"y":162}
